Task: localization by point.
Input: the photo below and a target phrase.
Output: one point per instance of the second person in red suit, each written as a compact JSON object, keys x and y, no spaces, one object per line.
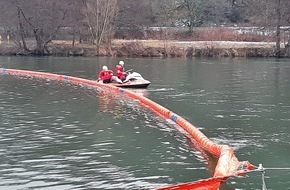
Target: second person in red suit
{"x":120,"y":71}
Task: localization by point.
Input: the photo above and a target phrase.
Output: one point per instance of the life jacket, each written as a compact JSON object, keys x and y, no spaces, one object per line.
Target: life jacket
{"x":105,"y":75}
{"x":119,"y":70}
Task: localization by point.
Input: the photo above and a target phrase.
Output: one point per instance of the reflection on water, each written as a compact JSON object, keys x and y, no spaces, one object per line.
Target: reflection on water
{"x":61,"y":136}
{"x":107,"y":100}
{"x":67,"y":137}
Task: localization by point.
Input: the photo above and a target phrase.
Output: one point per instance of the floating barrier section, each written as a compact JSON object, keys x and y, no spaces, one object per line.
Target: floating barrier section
{"x":227,"y":166}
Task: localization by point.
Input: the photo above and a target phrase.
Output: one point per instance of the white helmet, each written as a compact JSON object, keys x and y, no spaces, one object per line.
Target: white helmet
{"x":121,"y":63}
{"x":105,"y":68}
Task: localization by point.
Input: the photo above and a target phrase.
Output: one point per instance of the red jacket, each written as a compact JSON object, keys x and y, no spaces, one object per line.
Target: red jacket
{"x":120,"y":72}
{"x":105,"y":75}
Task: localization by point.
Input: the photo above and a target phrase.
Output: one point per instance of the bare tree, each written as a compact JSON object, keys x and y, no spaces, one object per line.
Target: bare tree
{"x":135,"y":13}
{"x":75,"y":21}
{"x":269,"y":14}
{"x":278,"y":29}
{"x":192,"y":13}
{"x":100,"y":16}
{"x":189,"y":13}
{"x":38,"y":18}
{"x":283,"y":19}
{"x":135,"y":16}
{"x":8,"y":19}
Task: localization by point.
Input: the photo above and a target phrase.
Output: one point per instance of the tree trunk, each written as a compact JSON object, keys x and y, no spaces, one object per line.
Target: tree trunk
{"x":40,"y":49}
{"x":287,"y":48}
{"x":278,"y":30}
{"x":21,"y":30}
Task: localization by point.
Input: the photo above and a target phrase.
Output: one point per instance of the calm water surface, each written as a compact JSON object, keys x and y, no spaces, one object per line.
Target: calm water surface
{"x":60,"y":136}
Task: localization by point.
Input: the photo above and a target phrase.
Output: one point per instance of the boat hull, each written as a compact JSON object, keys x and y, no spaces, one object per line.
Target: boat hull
{"x":133,"y":84}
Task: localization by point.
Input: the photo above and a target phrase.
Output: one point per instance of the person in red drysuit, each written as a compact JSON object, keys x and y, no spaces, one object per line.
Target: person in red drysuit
{"x":121,"y":74}
{"x":105,"y":75}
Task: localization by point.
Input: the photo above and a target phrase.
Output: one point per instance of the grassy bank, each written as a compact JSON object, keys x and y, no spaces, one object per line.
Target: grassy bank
{"x":174,"y":48}
{"x":156,"y":48}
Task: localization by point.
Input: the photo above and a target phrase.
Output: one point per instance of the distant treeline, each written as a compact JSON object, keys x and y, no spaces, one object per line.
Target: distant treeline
{"x":99,"y":21}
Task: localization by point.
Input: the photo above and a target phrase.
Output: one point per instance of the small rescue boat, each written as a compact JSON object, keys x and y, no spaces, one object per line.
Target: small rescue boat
{"x":137,"y":83}
{"x":133,"y":80}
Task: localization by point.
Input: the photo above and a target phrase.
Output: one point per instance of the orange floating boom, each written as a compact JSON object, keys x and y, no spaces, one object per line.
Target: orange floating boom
{"x":228,"y":165}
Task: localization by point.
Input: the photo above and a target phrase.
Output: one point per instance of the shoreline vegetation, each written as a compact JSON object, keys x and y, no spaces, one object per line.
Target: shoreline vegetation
{"x":171,"y":42}
{"x":135,"y":28}
{"x":153,"y":48}
{"x":229,"y":44}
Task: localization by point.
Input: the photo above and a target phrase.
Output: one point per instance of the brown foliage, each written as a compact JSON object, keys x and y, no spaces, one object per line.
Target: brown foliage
{"x":227,"y":34}
{"x":200,"y":34}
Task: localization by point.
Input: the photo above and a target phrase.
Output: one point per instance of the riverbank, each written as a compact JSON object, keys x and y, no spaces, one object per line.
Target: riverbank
{"x":173,"y":48}
{"x":155,"y":48}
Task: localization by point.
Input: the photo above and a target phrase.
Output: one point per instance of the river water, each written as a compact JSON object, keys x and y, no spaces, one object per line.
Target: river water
{"x":57,"y":135}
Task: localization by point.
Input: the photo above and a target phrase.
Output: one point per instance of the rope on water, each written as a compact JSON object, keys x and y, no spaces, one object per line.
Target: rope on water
{"x":263,"y":170}
{"x":277,"y":168}
{"x":260,"y":168}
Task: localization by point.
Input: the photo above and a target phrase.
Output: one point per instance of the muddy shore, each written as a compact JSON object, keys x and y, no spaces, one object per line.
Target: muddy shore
{"x":156,"y":48}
